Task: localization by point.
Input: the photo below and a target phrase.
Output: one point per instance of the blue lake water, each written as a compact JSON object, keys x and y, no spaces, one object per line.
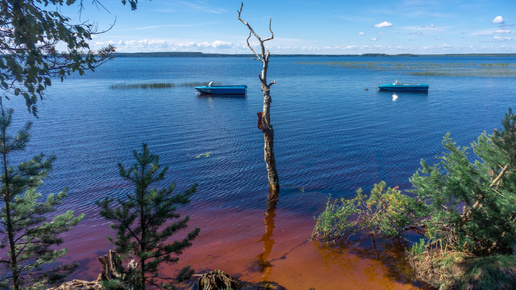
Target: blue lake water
{"x":334,"y":132}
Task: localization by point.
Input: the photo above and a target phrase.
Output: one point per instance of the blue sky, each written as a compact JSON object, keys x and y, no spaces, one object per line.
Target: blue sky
{"x":307,"y":27}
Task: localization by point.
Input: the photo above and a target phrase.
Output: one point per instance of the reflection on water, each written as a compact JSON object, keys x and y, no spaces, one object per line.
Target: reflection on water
{"x":394,"y":97}
{"x":380,"y":260}
{"x":211,"y":97}
{"x":268,"y":241}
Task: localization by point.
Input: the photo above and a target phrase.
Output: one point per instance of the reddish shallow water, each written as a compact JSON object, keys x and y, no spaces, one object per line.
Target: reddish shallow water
{"x":255,"y":247}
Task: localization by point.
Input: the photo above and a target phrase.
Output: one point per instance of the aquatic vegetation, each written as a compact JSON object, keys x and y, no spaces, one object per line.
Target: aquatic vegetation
{"x":158,"y":85}
{"x":207,"y":154}
{"x":382,"y":213}
{"x":479,"y":72}
{"x":452,"y":69}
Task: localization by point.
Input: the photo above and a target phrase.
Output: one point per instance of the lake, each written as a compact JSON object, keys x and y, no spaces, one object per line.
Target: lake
{"x":334,"y":133}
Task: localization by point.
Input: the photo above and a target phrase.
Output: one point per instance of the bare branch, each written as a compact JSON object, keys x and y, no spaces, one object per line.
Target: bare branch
{"x":251,"y":48}
{"x":495,"y":181}
{"x":251,"y":31}
{"x":270,"y":29}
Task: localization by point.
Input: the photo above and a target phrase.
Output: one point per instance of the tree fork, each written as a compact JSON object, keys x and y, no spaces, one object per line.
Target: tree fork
{"x":264,"y":117}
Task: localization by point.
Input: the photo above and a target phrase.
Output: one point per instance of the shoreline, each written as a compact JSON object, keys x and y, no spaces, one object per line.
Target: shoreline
{"x":201,"y":54}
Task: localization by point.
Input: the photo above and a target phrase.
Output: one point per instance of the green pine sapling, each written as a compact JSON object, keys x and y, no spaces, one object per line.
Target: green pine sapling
{"x":469,"y":205}
{"x":143,"y":221}
{"x":461,"y":204}
{"x":29,"y":240}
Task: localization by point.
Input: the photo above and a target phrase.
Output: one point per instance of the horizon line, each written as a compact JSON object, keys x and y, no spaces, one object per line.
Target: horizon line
{"x":193,"y":54}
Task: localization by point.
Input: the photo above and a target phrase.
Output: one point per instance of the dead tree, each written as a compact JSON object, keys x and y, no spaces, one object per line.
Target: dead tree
{"x":264,"y":117}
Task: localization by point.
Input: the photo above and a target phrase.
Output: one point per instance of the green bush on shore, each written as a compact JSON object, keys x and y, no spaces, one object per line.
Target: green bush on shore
{"x":465,"y":211}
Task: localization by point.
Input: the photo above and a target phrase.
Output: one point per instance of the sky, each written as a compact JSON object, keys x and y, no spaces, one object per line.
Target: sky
{"x":305,"y":26}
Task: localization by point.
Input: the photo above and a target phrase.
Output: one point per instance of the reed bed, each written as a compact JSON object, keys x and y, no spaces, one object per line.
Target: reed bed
{"x":495,"y":73}
{"x":452,"y":69}
{"x":157,"y":85}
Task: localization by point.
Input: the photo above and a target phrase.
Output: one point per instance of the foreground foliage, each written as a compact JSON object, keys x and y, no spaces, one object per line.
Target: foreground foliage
{"x":460,"y":270}
{"x":38,"y":43}
{"x":465,"y":205}
{"x":30,"y":34}
{"x":143,"y":221}
{"x":471,"y":206}
{"x":31,"y":241}
{"x":381,"y":213}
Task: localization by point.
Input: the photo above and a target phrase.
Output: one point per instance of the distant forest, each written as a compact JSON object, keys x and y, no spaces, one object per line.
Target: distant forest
{"x":200,"y":54}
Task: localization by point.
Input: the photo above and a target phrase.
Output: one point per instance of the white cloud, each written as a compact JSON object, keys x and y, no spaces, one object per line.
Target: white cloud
{"x":488,"y":32}
{"x":498,"y":20}
{"x":361,"y":33}
{"x":374,"y":39}
{"x":315,"y":48}
{"x":214,"y":44}
{"x":383,"y":24}
{"x":221,"y":44}
{"x":339,"y":48}
{"x":501,"y":38}
{"x":428,"y":28}
{"x":167,"y":45}
{"x":431,"y":26}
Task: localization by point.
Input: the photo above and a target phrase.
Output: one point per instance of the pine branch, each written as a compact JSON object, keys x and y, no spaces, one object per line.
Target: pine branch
{"x":495,"y":181}
{"x":115,"y":217}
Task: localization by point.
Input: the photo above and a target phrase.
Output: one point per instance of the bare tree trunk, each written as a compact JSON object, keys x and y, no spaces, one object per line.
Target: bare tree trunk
{"x":264,"y":117}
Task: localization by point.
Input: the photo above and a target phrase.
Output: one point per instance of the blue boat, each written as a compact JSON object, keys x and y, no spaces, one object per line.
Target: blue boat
{"x":401,"y":87}
{"x":222,"y":90}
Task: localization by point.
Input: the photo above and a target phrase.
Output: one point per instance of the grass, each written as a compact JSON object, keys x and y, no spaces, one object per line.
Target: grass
{"x":456,"y":270}
{"x":470,"y":69}
{"x":494,"y":272}
{"x":157,"y":85}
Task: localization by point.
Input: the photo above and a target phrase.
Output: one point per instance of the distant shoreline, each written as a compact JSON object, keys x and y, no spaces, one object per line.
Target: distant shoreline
{"x":200,"y":54}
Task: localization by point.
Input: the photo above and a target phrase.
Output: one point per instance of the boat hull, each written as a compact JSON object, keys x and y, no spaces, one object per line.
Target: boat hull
{"x":222,"y":90}
{"x":404,"y":88}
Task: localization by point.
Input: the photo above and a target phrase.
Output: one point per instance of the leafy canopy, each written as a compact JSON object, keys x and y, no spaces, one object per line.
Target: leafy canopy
{"x":30,"y":30}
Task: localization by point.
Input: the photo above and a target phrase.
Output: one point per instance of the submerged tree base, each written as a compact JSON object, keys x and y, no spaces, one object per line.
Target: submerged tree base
{"x":79,"y":284}
{"x":212,"y":280}
{"x":217,"y":279}
{"x":457,"y":270}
